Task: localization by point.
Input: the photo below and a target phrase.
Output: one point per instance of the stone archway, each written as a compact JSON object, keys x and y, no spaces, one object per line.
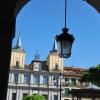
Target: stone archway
{"x":9,"y":10}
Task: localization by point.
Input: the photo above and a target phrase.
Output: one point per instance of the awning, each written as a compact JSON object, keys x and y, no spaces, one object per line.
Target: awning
{"x":85,"y":93}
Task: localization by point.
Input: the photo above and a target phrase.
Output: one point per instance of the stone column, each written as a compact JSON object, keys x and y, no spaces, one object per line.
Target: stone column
{"x":50,"y":80}
{"x":19,"y":78}
{"x":19,"y":94}
{"x":22,"y":77}
{"x":31,"y":79}
{"x":10,"y":78}
{"x":31,"y":92}
{"x":41,"y":79}
{"x":49,"y":96}
{"x":9,"y":94}
{"x":31,"y":84}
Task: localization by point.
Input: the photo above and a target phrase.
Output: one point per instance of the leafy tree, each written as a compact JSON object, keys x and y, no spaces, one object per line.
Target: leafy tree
{"x":34,"y":97}
{"x":93,"y":75}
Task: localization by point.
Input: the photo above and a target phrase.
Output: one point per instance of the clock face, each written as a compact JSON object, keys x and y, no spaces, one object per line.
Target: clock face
{"x":36,"y":66}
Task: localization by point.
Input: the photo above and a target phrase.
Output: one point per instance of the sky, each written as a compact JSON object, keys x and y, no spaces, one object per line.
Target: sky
{"x":41,"y":20}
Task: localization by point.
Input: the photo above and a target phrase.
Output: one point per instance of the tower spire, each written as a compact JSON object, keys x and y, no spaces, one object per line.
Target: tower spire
{"x":19,"y":44}
{"x":54,"y":46}
{"x":37,"y":56}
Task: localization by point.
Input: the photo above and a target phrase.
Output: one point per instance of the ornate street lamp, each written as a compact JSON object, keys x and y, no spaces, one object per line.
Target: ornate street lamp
{"x":65,"y":41}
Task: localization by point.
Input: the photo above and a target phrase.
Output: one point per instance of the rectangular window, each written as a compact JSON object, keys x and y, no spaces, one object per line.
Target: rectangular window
{"x":36,"y":79}
{"x":66,"y":79}
{"x":26,"y":78}
{"x":16,"y":78}
{"x":13,"y":96}
{"x":73,"y":81}
{"x":55,"y":97}
{"x":45,"y":80}
{"x":55,"y":80}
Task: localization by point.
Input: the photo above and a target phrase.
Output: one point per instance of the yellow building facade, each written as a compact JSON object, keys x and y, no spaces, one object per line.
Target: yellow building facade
{"x":18,"y":55}
{"x":54,"y":62}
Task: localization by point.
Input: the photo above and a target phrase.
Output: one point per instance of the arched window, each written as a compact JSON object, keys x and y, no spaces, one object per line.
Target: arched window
{"x":56,"y":67}
{"x":17,"y":63}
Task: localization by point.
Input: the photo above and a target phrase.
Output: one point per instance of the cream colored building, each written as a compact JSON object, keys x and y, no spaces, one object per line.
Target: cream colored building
{"x":36,"y":77}
{"x":18,"y":55}
{"x":43,"y":77}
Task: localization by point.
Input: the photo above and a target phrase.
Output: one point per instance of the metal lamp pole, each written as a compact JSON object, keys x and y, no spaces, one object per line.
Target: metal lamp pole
{"x":16,"y":89}
{"x":60,"y":86}
{"x":38,"y":84}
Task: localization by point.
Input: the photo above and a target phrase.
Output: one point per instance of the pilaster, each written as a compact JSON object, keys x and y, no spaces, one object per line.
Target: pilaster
{"x":12,"y":77}
{"x":9,"y":94}
{"x":41,"y":79}
{"x":19,"y":94}
{"x":31,"y":79}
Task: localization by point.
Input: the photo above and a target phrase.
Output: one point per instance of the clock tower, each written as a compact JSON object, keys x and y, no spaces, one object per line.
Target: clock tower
{"x":36,"y":65}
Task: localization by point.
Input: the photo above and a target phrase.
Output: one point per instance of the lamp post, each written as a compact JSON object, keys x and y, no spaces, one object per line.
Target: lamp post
{"x":55,"y":79}
{"x":60,"y":84}
{"x":65,"y":41}
{"x":38,"y":83}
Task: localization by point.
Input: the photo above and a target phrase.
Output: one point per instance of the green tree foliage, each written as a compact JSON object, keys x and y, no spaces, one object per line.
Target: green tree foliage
{"x":34,"y":97}
{"x":93,"y":75}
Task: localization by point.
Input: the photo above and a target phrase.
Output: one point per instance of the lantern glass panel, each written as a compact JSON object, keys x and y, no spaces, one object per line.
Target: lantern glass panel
{"x":59,"y":47}
{"x":64,"y":48}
